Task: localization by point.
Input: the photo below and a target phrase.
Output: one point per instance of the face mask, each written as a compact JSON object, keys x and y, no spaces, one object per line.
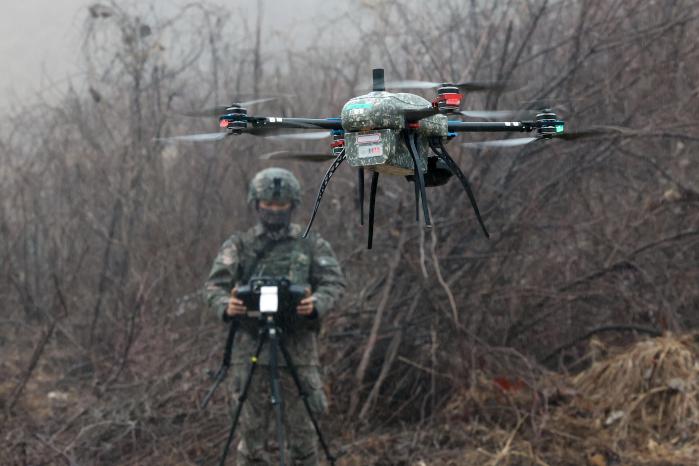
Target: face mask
{"x":274,"y":220}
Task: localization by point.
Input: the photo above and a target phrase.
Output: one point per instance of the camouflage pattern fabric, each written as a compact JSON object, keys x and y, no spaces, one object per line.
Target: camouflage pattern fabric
{"x":310,"y":261}
{"x":274,"y":183}
{"x":381,"y":114}
{"x":257,"y":252}
{"x":257,"y":424}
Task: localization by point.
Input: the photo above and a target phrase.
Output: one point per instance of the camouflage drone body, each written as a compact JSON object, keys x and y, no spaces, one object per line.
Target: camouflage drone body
{"x":373,"y":125}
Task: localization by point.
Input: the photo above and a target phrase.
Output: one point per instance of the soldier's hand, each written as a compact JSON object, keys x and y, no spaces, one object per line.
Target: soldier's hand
{"x":305,"y":307}
{"x":236,"y":307}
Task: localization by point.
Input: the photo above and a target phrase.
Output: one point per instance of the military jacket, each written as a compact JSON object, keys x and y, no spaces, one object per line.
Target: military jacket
{"x":257,"y":253}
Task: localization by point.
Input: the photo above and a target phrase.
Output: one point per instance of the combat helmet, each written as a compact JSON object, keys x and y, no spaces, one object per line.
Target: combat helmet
{"x":274,"y":184}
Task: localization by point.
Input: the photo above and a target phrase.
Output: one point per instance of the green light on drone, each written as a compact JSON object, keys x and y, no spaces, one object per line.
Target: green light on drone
{"x":559,"y":128}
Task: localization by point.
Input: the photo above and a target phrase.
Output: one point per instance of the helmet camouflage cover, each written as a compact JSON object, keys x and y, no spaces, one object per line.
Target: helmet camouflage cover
{"x":274,"y":184}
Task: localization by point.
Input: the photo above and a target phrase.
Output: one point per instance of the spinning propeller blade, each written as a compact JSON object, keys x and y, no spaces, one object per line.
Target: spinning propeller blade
{"x":472,"y":86}
{"x":222,"y":109}
{"x":418,"y":114}
{"x":498,"y":114}
{"x":592,"y":132}
{"x":305,"y":156}
{"x":567,"y":136}
{"x":500,"y":143}
{"x":310,"y":135}
{"x":203,"y":137}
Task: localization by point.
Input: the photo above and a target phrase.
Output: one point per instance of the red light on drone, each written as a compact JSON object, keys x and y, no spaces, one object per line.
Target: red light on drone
{"x":224,"y":123}
{"x":451,"y":100}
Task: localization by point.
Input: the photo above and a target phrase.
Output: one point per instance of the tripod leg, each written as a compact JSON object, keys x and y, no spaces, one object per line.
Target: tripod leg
{"x":277,"y":402}
{"x":324,"y":184}
{"x":418,"y":179}
{"x":304,"y":397}
{"x":223,"y":370}
{"x":241,"y":399}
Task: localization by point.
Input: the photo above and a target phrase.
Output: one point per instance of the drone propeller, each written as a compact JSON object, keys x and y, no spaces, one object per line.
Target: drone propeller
{"x":202,"y":137}
{"x":222,"y":109}
{"x":419,"y":113}
{"x":498,"y":114}
{"x":592,"y":132}
{"x":500,"y":142}
{"x":305,"y":156}
{"x":472,"y":86}
{"x":567,"y":136}
{"x":287,"y":135}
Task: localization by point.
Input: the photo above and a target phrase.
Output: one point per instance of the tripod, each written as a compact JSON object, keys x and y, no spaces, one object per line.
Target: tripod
{"x":269,"y":332}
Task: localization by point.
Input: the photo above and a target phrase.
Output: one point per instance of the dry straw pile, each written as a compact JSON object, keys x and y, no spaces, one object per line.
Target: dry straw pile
{"x":636,"y":406}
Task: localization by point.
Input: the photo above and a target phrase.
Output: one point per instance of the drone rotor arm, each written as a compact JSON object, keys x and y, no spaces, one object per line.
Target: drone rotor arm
{"x":490,"y":126}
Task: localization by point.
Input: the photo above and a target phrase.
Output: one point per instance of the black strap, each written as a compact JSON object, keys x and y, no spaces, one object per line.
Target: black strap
{"x":324,"y":184}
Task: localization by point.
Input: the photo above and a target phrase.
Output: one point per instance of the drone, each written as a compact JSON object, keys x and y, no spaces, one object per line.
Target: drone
{"x":397,"y":134}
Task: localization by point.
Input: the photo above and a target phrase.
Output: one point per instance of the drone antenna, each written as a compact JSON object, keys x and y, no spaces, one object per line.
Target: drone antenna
{"x":379,"y":83}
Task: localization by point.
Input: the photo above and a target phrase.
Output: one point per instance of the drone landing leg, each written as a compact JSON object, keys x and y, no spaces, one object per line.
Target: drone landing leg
{"x":324,"y":184}
{"x":417,"y":199}
{"x":372,"y":202}
{"x":419,"y":180}
{"x":360,"y":194}
{"x":442,"y":153}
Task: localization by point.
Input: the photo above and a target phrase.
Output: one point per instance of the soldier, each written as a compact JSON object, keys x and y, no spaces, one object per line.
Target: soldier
{"x":273,"y":248}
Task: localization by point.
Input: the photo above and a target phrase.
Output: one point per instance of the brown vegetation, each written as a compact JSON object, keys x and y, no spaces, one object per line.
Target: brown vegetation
{"x":449,"y":348}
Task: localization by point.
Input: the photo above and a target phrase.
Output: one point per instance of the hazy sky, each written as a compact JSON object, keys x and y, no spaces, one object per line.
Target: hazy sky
{"x":40,"y":39}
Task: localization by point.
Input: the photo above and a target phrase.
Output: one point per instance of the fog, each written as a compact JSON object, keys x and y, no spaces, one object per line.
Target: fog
{"x":40,"y":39}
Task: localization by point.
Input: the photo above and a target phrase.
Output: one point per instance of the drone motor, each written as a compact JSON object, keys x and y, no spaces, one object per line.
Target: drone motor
{"x":235,"y":120}
{"x":548,"y":124}
{"x":448,"y":98}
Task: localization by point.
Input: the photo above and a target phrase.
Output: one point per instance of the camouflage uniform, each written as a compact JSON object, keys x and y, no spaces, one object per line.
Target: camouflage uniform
{"x":311,"y":261}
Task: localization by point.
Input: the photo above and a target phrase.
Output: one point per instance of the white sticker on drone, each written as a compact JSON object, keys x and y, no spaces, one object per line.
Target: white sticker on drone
{"x":369,"y":138}
{"x":356,"y":111}
{"x":274,"y":119}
